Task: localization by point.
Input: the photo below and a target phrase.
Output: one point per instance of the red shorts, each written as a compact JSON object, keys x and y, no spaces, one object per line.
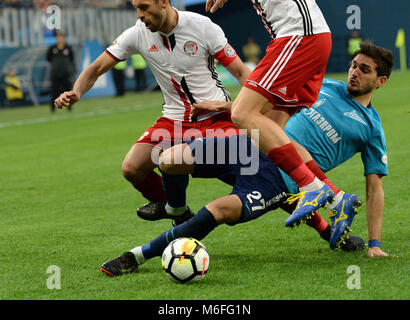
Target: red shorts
{"x":167,"y":132}
{"x":291,"y":73}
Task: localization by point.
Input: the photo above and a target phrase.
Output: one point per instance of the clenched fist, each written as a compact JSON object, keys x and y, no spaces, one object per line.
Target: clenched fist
{"x":66,"y":99}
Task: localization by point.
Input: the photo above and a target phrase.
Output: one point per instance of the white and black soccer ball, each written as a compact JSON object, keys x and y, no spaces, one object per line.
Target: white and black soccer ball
{"x":185,"y":259}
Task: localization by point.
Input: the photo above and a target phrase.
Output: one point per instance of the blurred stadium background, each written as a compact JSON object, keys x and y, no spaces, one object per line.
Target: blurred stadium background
{"x":64,"y":202}
{"x":91,"y":25}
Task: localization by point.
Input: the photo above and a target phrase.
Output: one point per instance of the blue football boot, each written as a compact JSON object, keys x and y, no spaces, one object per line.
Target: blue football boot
{"x":308,"y":202}
{"x":341,"y":217}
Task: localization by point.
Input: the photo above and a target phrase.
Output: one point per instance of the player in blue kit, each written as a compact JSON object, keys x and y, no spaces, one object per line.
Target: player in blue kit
{"x":340,"y":124}
{"x":258,"y":187}
{"x":339,"y":127}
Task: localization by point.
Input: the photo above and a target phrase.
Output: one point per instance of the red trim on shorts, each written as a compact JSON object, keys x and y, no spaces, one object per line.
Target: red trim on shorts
{"x":291,"y":73}
{"x":166,"y":132}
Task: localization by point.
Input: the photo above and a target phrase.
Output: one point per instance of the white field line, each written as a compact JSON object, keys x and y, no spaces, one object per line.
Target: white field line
{"x":70,"y":116}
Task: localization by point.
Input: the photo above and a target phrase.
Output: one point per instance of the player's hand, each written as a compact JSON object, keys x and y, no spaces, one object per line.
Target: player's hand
{"x":213,"y":5}
{"x":66,"y":99}
{"x":375,"y":252}
{"x":209,"y":106}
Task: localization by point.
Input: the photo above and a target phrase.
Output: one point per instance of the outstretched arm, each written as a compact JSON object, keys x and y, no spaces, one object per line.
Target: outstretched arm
{"x":86,"y":80}
{"x":374,"y":212}
{"x":239,"y":70}
{"x":210,"y":106}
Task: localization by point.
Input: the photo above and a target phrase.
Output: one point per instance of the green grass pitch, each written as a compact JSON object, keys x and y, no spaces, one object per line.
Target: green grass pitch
{"x":64,"y":203}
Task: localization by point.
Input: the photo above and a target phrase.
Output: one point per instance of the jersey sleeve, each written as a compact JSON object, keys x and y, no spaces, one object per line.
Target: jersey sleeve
{"x":217,"y":43}
{"x":226,"y":55}
{"x":125,"y":45}
{"x":374,"y":155}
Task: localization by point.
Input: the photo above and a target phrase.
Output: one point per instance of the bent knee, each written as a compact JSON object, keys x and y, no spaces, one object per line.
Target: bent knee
{"x":165,"y":162}
{"x":127,"y":168}
{"x":244,"y":113}
{"x":135,"y":171}
{"x":225,"y":215}
{"x":177,"y":160}
{"x":239,"y":118}
{"x":244,"y":118}
{"x":226,"y":210}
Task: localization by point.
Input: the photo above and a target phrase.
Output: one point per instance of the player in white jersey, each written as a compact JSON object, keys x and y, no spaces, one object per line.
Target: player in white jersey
{"x":284,"y":18}
{"x":288,"y":78}
{"x":180,"y":48}
{"x":181,"y":61}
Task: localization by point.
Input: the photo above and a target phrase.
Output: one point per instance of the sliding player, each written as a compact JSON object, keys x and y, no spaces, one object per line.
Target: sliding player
{"x":340,"y":124}
{"x":258,"y":187}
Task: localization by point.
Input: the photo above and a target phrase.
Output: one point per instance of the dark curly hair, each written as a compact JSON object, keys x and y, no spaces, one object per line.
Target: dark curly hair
{"x":381,"y":56}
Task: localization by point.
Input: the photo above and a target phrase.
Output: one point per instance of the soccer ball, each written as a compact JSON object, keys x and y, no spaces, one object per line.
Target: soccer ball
{"x":185,"y":259}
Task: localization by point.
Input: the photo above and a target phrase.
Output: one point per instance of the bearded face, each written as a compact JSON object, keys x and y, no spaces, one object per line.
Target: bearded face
{"x":362,"y":77}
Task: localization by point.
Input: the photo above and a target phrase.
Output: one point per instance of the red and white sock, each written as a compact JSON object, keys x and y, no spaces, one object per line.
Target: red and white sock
{"x":317,"y":222}
{"x":312,"y":165}
{"x":287,"y":158}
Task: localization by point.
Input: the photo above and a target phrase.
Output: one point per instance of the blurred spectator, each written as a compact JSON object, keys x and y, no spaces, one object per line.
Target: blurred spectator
{"x":13,"y":89}
{"x":61,"y":58}
{"x":139,"y":64}
{"x":251,"y":51}
{"x":119,"y":77}
{"x":353,"y":44}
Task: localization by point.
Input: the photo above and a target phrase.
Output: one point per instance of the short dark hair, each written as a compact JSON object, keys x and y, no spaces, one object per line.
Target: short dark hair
{"x":381,"y":56}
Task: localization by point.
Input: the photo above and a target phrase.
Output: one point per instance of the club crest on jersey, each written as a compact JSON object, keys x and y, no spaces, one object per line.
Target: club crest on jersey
{"x":190,"y":48}
{"x":319,"y":103}
{"x":352,"y":114}
{"x":116,"y":40}
{"x":229,"y":51}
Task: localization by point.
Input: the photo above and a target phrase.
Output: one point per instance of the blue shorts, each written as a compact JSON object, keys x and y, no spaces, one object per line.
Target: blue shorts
{"x":236,"y":161}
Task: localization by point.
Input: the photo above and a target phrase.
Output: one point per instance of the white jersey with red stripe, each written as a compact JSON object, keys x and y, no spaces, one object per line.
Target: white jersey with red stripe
{"x":284,"y":18}
{"x":181,"y":61}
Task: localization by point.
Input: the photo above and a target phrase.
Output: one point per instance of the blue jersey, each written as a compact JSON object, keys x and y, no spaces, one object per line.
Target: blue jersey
{"x":337,"y":127}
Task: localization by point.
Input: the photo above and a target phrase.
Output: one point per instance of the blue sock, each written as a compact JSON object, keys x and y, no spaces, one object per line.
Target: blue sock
{"x":175,"y":189}
{"x":198,"y":227}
